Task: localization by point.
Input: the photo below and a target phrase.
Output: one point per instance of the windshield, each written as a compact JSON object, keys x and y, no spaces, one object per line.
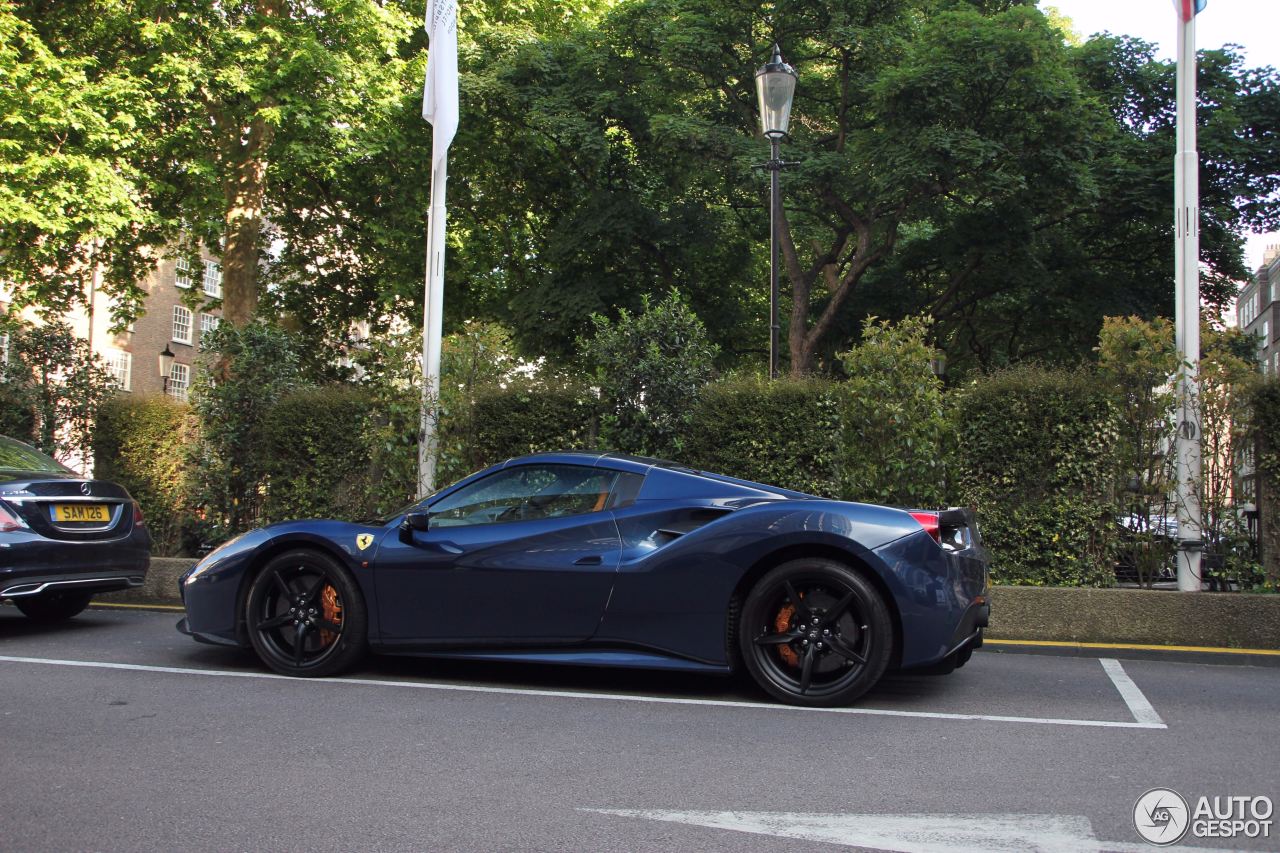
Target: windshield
{"x":22,"y":458}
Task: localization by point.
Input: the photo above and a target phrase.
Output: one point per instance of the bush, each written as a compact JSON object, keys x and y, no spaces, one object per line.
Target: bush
{"x":894,"y":429}
{"x":317,"y":459}
{"x":1037,"y":450}
{"x":245,"y":371}
{"x":1266,"y":425}
{"x":141,"y":443}
{"x":785,"y":433}
{"x":529,"y":418}
{"x":17,"y":418}
{"x":650,"y":368}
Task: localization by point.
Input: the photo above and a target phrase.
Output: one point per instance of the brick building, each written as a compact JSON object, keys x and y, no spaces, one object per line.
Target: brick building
{"x":1258,"y":310}
{"x":167,"y":324}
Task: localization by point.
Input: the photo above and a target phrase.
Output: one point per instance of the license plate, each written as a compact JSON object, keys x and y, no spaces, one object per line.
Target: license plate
{"x":81,"y":512}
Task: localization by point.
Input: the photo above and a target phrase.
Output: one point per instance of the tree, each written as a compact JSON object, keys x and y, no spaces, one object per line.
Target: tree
{"x":243,"y":94}
{"x":53,"y":374}
{"x":71,"y":190}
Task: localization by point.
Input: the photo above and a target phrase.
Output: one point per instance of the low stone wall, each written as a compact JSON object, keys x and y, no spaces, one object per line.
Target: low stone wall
{"x":1143,"y":616}
{"x":161,"y":586}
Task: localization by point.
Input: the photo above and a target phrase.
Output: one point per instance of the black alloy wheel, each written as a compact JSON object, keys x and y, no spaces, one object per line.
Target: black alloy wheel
{"x":53,"y":606}
{"x":815,"y":632}
{"x":306,"y":616}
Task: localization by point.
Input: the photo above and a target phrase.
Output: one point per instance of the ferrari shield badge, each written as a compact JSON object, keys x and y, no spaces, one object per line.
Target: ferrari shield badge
{"x":364,"y":540}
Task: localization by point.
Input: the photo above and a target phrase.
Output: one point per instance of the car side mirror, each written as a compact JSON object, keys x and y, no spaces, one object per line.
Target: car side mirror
{"x":414,"y":521}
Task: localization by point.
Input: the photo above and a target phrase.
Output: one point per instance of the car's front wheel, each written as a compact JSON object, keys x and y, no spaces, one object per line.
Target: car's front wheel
{"x":305,"y":615}
{"x":815,"y":632}
{"x":53,"y":606}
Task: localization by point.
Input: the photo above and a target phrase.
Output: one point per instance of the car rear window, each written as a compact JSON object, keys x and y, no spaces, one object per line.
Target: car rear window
{"x":23,"y":458}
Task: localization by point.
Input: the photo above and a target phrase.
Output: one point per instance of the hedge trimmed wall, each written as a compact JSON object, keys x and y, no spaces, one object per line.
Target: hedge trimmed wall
{"x":785,"y":432}
{"x":316,"y":455}
{"x":141,"y":443}
{"x":516,"y":420}
{"x":1266,"y":425}
{"x":1036,"y":458}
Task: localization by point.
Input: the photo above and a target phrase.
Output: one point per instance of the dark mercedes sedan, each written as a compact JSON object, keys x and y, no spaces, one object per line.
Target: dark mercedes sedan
{"x":64,"y":538}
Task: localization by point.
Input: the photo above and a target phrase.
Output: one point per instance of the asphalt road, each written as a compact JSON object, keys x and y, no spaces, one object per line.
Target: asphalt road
{"x":117,"y":733}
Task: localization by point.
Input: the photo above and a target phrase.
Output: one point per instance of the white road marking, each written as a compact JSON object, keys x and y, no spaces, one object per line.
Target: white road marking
{"x":912,"y":833}
{"x":1129,"y":692}
{"x":573,"y":694}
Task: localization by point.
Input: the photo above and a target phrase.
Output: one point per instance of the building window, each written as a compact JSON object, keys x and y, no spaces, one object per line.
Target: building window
{"x":213,"y":279}
{"x":4,"y":347}
{"x":181,"y":325}
{"x":120,"y":366}
{"x":183,"y":276}
{"x":208,"y":322}
{"x":1265,"y":335}
{"x":179,"y":381}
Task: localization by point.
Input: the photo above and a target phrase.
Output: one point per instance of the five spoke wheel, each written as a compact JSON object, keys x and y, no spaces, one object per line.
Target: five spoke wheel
{"x":815,"y":632}
{"x":305,"y":615}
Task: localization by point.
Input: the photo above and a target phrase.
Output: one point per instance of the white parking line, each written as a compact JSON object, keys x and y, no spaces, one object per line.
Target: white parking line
{"x":1129,"y":692}
{"x":574,"y":694}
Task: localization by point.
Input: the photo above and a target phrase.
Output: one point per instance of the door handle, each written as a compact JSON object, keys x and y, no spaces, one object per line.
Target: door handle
{"x":593,"y":560}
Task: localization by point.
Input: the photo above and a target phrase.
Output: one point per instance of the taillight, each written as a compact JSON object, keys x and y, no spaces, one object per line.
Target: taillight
{"x":929,"y":520}
{"x":10,"y":522}
{"x":137,"y":515}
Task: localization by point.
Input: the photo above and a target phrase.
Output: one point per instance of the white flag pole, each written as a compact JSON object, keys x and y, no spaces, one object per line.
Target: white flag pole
{"x":440,"y":107}
{"x":432,"y":326}
{"x":1186,"y":190}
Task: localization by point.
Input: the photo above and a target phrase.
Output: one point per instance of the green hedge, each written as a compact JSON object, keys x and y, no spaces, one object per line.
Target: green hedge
{"x":17,"y":420}
{"x":513,"y":421}
{"x":317,"y":458}
{"x":1036,"y":458}
{"x":142,"y":444}
{"x":785,"y":432}
{"x":1266,"y":427}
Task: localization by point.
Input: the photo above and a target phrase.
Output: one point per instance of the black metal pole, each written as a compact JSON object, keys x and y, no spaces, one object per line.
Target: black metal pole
{"x":775,"y":216}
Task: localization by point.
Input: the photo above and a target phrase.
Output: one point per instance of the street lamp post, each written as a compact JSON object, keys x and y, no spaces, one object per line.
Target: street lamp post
{"x":775,"y":86}
{"x":166,"y":367}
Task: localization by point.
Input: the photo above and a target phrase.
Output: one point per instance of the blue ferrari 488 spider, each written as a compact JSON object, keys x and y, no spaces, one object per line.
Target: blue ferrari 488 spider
{"x":610,"y":560}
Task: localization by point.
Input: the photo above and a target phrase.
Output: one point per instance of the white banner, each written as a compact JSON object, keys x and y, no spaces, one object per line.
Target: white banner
{"x":440,"y":95}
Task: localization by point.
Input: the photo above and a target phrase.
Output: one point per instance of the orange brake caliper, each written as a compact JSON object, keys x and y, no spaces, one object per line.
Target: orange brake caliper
{"x":332,"y":612}
{"x":781,"y":624}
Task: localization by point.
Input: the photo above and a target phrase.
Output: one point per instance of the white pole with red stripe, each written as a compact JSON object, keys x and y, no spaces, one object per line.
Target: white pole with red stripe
{"x":1186,"y":188}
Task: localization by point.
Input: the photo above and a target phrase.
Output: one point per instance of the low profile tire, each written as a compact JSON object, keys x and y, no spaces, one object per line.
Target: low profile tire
{"x":53,"y":606}
{"x":815,"y":632}
{"x":305,"y":615}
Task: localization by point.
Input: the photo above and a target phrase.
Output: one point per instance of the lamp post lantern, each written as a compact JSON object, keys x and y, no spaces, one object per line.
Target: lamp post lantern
{"x":775,"y":86}
{"x":166,"y":367}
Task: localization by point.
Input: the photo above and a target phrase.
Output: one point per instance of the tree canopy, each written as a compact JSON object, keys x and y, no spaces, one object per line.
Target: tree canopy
{"x":960,"y":159}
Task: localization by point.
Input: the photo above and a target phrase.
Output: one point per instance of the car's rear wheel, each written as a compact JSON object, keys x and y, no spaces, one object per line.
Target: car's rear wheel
{"x":305,"y":615}
{"x":815,"y":632}
{"x":53,"y":606}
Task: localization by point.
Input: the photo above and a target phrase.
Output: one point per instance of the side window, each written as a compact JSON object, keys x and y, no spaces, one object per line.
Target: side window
{"x":526,"y":492}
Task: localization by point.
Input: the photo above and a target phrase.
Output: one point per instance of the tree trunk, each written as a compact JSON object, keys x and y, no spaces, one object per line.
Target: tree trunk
{"x":244,"y":190}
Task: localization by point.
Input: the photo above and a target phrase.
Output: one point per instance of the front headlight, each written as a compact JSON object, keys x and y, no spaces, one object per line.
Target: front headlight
{"x":211,"y":559}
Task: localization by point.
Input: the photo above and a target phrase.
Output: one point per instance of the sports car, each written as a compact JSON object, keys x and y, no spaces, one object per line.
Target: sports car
{"x":610,"y":560}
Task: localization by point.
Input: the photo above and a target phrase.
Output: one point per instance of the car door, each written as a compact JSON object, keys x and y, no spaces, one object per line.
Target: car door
{"x":526,"y":555}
